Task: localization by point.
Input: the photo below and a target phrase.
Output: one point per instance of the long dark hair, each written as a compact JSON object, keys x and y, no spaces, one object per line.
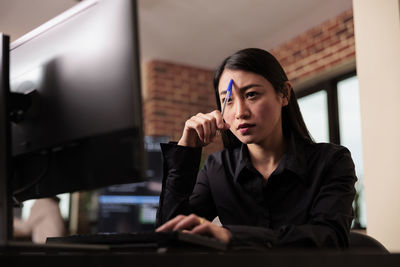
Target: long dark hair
{"x":261,"y":62}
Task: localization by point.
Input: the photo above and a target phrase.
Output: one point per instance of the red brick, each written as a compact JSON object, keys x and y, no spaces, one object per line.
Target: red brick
{"x":317,"y":44}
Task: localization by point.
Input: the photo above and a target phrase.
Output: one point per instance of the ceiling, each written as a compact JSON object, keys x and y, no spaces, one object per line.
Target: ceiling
{"x":195,"y":32}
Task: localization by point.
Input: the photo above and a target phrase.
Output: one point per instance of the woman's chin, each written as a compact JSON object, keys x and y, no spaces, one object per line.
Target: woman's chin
{"x":246,"y":139}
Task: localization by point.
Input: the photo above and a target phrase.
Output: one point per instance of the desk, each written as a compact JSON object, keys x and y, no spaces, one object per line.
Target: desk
{"x":274,"y":257}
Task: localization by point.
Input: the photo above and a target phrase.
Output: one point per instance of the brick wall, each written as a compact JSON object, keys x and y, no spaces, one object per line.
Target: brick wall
{"x":174,"y":92}
{"x":318,"y":49}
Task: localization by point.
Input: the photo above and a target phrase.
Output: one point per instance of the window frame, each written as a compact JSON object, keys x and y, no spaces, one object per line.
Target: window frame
{"x":330,"y":86}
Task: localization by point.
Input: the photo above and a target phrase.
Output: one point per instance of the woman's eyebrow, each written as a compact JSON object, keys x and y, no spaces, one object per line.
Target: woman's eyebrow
{"x":244,"y":88}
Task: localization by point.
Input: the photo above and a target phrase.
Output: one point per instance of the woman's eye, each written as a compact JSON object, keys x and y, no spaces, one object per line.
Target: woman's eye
{"x":251,"y":94}
{"x":223,"y":100}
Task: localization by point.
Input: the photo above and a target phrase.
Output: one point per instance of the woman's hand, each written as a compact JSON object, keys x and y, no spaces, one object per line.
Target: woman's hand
{"x":201,"y":129}
{"x":194,"y":224}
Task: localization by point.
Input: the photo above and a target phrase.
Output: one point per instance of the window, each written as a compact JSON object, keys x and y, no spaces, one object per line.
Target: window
{"x":314,"y":109}
{"x":350,"y":137}
{"x":331,"y":111}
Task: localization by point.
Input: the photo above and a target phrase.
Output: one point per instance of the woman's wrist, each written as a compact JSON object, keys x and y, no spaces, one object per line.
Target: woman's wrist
{"x":188,"y":143}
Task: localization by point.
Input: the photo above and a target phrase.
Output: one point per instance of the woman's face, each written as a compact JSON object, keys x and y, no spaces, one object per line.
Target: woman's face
{"x":254,"y":110}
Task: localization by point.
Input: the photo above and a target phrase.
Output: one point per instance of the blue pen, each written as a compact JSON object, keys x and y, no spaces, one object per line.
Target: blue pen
{"x":228,"y":92}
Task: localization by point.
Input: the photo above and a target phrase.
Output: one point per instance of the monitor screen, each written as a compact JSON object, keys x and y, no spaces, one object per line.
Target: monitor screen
{"x":83,"y":127}
{"x":127,"y":208}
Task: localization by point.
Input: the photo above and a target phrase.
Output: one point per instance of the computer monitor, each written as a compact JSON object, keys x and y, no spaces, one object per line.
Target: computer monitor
{"x":78,"y":122}
{"x":5,"y":151}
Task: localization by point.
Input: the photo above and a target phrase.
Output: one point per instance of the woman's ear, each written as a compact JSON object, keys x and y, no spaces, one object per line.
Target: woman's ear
{"x":287,"y":88}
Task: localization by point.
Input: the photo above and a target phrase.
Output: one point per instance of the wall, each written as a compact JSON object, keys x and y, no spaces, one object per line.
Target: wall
{"x":377,"y":31}
{"x":174,"y":93}
{"x":324,"y":51}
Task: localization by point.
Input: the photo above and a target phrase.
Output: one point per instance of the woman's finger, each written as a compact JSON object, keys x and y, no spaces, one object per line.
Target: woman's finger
{"x":188,"y":223}
{"x":209,"y":127}
{"x":194,"y":124}
{"x":209,"y":229}
{"x":219,"y":121}
{"x":168,"y":226}
{"x":202,"y":229}
{"x":214,"y":126}
{"x":202,"y":121}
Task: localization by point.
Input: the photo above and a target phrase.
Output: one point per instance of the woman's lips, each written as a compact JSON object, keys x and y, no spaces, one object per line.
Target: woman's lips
{"x":244,"y":128}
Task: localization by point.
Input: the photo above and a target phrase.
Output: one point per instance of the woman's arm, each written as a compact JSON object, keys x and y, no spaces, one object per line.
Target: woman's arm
{"x":179,"y":209}
{"x":181,"y":165}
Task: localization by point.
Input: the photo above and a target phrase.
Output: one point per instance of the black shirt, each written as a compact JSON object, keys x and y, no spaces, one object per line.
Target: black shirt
{"x":306,"y":201}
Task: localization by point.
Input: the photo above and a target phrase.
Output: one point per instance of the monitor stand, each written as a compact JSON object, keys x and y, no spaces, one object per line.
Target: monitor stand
{"x":6,"y":217}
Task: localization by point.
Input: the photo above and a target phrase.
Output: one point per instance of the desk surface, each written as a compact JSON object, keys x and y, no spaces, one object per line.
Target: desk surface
{"x":16,"y":256}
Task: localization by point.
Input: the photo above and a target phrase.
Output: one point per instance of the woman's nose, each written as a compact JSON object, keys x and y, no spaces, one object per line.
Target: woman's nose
{"x":241,"y":110}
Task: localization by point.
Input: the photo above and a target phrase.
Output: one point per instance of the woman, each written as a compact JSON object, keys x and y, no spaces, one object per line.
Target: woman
{"x":272,"y":185}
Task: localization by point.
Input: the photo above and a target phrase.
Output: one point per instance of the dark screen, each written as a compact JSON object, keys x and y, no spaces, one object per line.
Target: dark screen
{"x":83,"y":128}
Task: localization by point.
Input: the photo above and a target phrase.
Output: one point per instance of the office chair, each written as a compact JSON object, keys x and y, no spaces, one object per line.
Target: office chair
{"x":365,"y":242}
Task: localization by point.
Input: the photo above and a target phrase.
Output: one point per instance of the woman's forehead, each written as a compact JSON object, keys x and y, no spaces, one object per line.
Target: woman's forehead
{"x":240,"y":79}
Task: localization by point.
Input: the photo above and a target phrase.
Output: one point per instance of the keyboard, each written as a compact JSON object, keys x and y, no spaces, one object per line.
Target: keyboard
{"x":142,"y":240}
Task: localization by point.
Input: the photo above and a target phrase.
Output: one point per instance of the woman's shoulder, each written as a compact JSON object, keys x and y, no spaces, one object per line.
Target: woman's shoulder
{"x":326,"y":147}
{"x":224,"y":162}
{"x":327,"y":151}
{"x":326,"y":158}
{"x":230,"y":155}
